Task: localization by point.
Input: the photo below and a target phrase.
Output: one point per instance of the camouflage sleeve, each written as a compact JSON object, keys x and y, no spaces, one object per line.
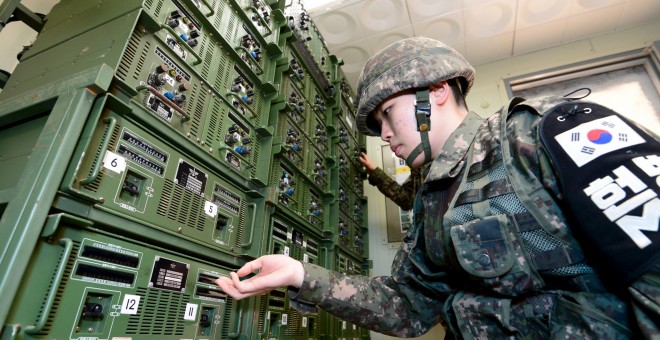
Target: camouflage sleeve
{"x":645,"y":298}
{"x":402,"y":195}
{"x":403,"y":305}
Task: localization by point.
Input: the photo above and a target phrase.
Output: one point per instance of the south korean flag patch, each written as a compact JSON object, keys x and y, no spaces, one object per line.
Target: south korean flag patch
{"x":596,"y":138}
{"x":609,"y":172}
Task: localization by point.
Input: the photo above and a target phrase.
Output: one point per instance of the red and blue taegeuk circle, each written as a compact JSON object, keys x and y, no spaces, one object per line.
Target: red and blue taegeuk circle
{"x":599,"y":136}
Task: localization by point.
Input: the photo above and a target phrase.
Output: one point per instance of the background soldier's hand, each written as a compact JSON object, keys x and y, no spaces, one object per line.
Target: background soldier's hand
{"x":366,"y":162}
{"x":274,"y":271}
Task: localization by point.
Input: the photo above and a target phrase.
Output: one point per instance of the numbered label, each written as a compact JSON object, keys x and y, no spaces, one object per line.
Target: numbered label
{"x":210,"y":209}
{"x":285,"y":319}
{"x":286,"y":251}
{"x":304,"y":321}
{"x":191,"y":312}
{"x":343,"y":325}
{"x":131,"y":304}
{"x":114,"y":162}
{"x":305,"y":258}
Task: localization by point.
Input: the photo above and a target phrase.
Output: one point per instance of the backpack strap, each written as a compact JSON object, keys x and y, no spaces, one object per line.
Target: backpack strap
{"x":608,"y":169}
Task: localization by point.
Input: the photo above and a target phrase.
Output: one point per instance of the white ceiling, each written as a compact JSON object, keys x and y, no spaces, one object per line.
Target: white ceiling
{"x":482,"y":30}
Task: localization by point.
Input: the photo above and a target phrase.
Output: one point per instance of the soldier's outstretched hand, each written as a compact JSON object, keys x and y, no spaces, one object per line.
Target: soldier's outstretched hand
{"x":274,"y":271}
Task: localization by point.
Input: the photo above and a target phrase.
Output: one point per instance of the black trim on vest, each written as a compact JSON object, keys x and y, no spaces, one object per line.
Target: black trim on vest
{"x":490,"y":190}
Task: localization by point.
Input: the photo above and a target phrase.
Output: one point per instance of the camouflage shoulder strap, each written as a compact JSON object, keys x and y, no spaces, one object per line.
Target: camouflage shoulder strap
{"x":609,"y":174}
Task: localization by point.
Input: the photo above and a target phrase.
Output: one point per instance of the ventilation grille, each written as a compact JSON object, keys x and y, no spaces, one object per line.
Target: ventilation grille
{"x":232,"y":30}
{"x":129,"y":61}
{"x":262,"y":315}
{"x":241,"y":223}
{"x":162,"y":313}
{"x":218,"y":20}
{"x":159,"y":7}
{"x":222,"y":7}
{"x":181,"y":205}
{"x":226,"y":320}
{"x":129,"y":55}
{"x":60,"y":291}
{"x":222,"y":77}
{"x":256,"y":107}
{"x":296,"y":252}
{"x":213,"y":124}
{"x":293,"y":324}
{"x":143,"y":56}
{"x":198,"y":113}
{"x":208,"y":54}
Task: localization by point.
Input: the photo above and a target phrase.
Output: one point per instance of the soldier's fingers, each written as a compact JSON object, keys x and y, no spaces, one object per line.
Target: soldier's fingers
{"x":253,"y":285}
{"x":245,"y":286}
{"x":250,"y":267}
{"x":227,"y":286}
{"x":262,"y":292}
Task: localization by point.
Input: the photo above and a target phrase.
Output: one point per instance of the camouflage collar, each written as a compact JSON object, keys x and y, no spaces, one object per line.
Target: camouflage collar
{"x":450,"y":160}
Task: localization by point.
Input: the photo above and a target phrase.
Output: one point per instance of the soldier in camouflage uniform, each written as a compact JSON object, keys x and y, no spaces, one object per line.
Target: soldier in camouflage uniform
{"x":402,"y":195}
{"x":490,"y":254}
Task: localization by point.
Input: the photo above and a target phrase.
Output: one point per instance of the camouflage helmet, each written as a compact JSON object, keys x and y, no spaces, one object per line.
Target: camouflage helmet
{"x":407,"y":64}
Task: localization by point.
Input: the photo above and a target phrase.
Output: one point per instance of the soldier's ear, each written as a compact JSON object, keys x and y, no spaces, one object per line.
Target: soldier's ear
{"x":439,"y":93}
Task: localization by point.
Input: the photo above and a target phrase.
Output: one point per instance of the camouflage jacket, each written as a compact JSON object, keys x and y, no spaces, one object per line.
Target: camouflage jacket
{"x":402,"y":195}
{"x":471,"y":261}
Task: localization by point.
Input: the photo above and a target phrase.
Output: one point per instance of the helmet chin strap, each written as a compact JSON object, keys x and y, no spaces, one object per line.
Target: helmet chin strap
{"x":423,"y":117}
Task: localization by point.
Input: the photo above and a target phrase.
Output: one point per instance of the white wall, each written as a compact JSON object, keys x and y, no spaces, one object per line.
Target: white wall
{"x":17,"y":34}
{"x":487,"y":96}
{"x":489,"y":92}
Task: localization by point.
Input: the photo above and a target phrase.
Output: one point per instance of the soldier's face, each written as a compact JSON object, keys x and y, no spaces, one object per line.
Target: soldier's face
{"x":396,"y":116}
{"x":398,"y":126}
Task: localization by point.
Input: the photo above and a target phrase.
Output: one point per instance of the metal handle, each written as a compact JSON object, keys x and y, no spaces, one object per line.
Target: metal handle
{"x":192,"y":5}
{"x":182,"y":43}
{"x":160,"y":96}
{"x":266,"y":326}
{"x":261,"y":20}
{"x":256,"y":62}
{"x":237,"y":334}
{"x":34,"y":329}
{"x":254,"y":217}
{"x":111,"y":122}
{"x":279,"y":193}
{"x":325,"y":258}
{"x":97,"y":110}
{"x":293,"y":109}
{"x":243,"y":159}
{"x":240,"y":100}
{"x":318,"y":108}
